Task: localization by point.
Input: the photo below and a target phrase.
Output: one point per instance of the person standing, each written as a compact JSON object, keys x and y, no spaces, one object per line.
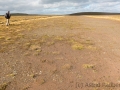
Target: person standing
{"x":7,"y":16}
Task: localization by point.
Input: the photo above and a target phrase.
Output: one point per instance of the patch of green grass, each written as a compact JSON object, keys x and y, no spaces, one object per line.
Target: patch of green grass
{"x":25,"y":46}
{"x":59,"y":38}
{"x":12,"y":75}
{"x":4,"y":86}
{"x":72,"y":41}
{"x":35,"y":47}
{"x":89,"y":42}
{"x":45,"y":37}
{"x":55,"y":53}
{"x":26,"y":88}
{"x":34,"y":75}
{"x":77,"y":46}
{"x":86,"y":66}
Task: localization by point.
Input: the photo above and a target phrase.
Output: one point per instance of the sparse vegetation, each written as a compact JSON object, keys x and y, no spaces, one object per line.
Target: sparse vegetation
{"x":87,"y":66}
{"x":34,"y":75}
{"x":26,"y":88}
{"x":53,"y":52}
{"x":12,"y":75}
{"x":3,"y":86}
{"x":77,"y":46}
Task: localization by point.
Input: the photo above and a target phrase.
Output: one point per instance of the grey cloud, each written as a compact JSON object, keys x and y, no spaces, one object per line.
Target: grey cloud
{"x":57,"y":1}
{"x":19,"y":6}
{"x":59,"y":6}
{"x":103,"y":1}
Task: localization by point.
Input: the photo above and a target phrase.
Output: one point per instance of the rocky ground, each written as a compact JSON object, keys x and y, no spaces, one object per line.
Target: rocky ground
{"x":60,"y":53}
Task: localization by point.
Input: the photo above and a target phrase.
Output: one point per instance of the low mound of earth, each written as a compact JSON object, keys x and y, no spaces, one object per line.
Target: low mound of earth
{"x":94,"y":13}
{"x":60,"y":53}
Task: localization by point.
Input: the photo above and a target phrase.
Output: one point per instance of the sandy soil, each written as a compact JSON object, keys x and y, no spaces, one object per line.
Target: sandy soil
{"x":62,"y":53}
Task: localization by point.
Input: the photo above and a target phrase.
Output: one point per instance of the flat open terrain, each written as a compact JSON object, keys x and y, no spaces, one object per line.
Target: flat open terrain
{"x":60,"y":53}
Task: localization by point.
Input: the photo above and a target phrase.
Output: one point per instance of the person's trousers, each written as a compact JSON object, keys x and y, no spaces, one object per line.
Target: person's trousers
{"x":8,"y":22}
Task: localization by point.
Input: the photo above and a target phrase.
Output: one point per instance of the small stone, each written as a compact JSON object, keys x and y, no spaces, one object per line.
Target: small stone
{"x":41,"y":81}
{"x":67,"y":66}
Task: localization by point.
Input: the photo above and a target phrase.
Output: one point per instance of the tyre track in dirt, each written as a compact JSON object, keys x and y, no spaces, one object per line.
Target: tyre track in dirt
{"x":38,"y":18}
{"x":106,"y":35}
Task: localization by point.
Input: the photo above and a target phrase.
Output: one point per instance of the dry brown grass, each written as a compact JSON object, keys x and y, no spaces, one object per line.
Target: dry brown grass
{"x":4,"y":86}
{"x":111,"y":17}
{"x":10,"y":35}
{"x":86,"y":66}
{"x":77,"y":46}
{"x":18,"y":24}
{"x":61,"y":48}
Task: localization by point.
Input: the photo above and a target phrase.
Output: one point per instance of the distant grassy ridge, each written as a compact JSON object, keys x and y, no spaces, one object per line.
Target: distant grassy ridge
{"x":73,"y":14}
{"x":94,"y":13}
{"x":23,"y":14}
{"x":19,"y":14}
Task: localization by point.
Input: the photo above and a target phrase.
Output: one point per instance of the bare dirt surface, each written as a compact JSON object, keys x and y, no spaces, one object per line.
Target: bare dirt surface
{"x":62,"y":53}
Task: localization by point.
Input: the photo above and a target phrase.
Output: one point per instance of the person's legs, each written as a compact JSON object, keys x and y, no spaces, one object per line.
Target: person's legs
{"x":7,"y":22}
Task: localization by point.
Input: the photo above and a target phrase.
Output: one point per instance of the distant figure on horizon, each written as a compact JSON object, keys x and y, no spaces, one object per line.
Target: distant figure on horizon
{"x":7,"y":16}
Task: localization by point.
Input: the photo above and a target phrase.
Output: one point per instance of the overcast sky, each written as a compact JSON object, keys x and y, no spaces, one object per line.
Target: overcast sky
{"x":58,"y":6}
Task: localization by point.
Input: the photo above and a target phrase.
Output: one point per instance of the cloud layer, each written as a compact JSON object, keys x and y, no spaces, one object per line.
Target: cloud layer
{"x":59,"y":6}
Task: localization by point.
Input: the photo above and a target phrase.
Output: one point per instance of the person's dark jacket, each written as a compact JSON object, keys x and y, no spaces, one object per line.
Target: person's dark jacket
{"x":7,"y":15}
